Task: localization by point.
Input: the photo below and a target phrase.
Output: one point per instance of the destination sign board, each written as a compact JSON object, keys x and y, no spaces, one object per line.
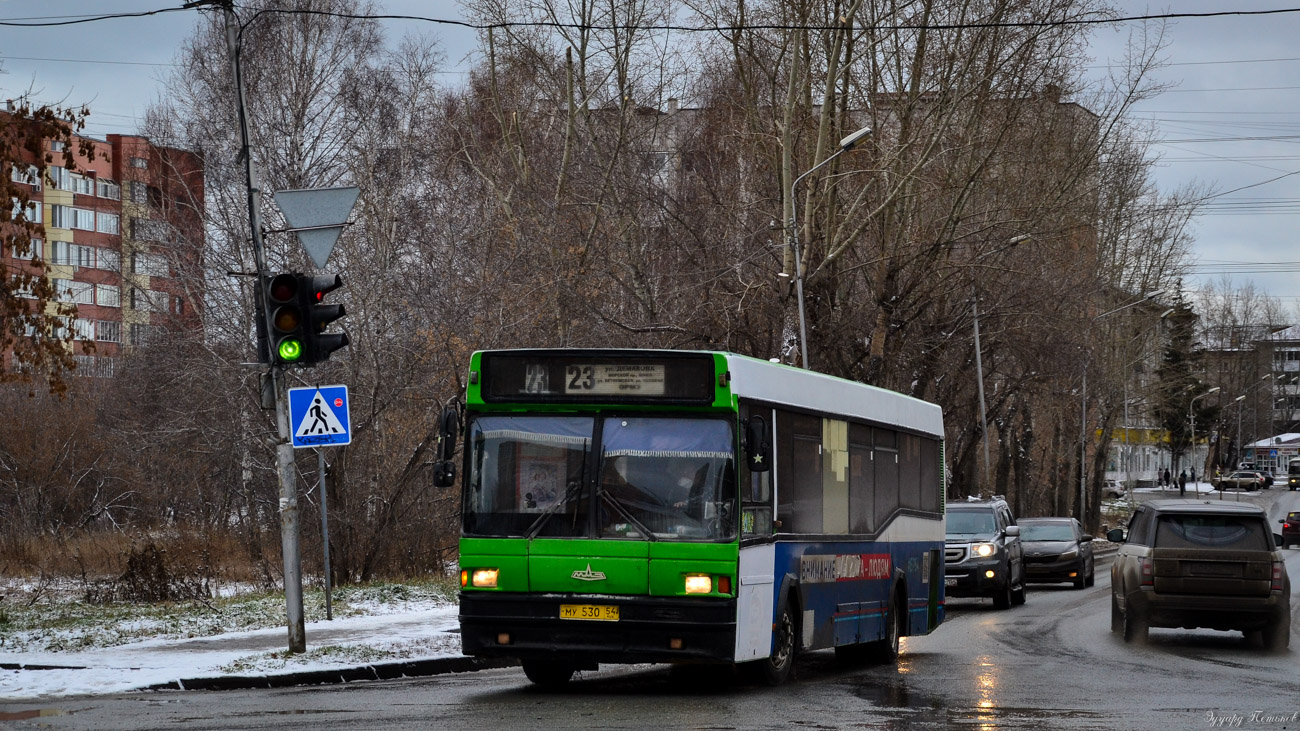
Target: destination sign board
{"x":608,"y":380}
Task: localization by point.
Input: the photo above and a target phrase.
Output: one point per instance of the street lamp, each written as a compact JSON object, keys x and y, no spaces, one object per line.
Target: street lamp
{"x":1191,"y":415}
{"x":979,"y":353}
{"x":1238,"y":401}
{"x":1240,"y":406}
{"x":1083,"y":403}
{"x":846,"y":144}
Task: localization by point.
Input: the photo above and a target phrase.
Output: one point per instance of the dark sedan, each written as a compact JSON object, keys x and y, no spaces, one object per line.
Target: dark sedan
{"x":1057,"y":549}
{"x":1291,"y":529}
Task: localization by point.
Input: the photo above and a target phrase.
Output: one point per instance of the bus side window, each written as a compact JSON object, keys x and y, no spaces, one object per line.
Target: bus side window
{"x":755,"y":492}
{"x":756,"y":513}
{"x":798,"y":472}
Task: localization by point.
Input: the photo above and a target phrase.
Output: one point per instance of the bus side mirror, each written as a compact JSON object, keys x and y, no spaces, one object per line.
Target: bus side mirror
{"x":448,"y":428}
{"x":758,"y":450}
{"x":444,"y":473}
{"x":444,"y":470}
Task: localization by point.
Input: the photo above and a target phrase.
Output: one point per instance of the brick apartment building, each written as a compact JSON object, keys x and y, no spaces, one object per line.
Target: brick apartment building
{"x":123,"y":241}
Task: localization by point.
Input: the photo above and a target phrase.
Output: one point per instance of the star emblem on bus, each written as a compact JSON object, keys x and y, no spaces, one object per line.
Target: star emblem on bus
{"x":588,"y":575}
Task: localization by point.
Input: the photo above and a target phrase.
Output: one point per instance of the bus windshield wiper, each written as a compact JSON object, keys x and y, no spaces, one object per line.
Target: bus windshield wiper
{"x":618,"y":507}
{"x":569,"y":492}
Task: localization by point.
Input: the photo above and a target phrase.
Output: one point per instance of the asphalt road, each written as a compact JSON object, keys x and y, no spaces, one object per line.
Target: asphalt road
{"x":1052,"y":663}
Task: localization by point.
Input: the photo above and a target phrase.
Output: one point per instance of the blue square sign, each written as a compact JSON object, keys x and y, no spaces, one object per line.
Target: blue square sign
{"x":318,"y":417}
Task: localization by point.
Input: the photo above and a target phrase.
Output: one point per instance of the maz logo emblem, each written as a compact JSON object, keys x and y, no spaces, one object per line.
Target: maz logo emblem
{"x":588,"y":575}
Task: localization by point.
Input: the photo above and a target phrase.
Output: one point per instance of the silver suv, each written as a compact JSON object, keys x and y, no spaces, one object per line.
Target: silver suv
{"x":983,"y":555}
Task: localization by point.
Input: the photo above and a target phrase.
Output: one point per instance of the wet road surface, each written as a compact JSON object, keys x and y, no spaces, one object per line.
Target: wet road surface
{"x":1050,"y":664}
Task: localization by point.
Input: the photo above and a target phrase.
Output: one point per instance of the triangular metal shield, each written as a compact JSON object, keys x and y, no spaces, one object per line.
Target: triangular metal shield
{"x":322,"y":211}
{"x":319,"y":419}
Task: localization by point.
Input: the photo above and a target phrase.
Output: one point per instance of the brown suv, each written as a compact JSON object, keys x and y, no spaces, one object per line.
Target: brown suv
{"x":1192,"y":563}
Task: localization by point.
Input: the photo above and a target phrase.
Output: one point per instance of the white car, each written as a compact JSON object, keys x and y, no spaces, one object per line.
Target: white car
{"x":1113,"y":489}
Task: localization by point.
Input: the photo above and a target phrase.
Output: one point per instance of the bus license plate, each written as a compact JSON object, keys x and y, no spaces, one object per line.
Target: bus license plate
{"x":596,"y":612}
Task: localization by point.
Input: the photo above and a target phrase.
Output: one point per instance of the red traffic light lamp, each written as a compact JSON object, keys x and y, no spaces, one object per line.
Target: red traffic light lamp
{"x":318,"y":344}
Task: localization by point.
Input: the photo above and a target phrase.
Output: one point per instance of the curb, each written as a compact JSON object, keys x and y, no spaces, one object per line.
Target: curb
{"x":377,"y":671}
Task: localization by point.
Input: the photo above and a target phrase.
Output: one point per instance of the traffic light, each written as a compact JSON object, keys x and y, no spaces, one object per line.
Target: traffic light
{"x":318,"y":343}
{"x":285,"y":315}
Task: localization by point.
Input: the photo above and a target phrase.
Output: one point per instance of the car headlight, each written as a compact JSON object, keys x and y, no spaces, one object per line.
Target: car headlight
{"x":984,"y":550}
{"x":1072,"y":553}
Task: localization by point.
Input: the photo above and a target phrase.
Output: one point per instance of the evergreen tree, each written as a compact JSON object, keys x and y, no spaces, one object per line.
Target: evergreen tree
{"x":1178,"y":381}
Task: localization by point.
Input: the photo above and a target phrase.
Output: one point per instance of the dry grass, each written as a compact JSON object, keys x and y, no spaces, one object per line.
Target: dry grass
{"x":104,"y":556}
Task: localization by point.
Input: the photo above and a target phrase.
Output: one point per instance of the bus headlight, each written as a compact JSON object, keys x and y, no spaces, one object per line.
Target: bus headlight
{"x":696,"y":584}
{"x":484,"y":578}
{"x":984,"y":550}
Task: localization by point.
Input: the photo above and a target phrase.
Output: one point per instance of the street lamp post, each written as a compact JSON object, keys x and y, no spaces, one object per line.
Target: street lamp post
{"x":979,"y":379}
{"x":1083,"y":405}
{"x":1240,"y":407}
{"x":846,"y":144}
{"x":1191,"y":415}
{"x":1238,"y":401}
{"x":979,"y":354}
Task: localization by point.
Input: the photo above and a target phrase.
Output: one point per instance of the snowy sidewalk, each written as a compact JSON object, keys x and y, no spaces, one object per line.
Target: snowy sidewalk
{"x":422,"y":642}
{"x":1200,"y":489}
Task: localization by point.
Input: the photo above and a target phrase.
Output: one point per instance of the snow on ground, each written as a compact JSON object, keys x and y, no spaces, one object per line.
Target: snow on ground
{"x":1192,"y":487}
{"x":386,"y":632}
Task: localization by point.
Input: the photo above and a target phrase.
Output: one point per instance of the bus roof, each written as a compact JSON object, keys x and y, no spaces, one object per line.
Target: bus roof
{"x":782,"y":384}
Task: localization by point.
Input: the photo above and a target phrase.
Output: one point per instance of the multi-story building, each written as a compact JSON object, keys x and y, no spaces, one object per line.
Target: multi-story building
{"x":122,"y":241}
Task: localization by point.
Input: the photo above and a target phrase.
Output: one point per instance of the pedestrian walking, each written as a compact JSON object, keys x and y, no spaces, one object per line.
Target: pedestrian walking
{"x":1182,"y":483}
{"x":1166,"y":482}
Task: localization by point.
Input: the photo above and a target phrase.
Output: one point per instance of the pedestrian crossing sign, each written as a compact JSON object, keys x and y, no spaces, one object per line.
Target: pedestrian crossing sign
{"x":318,"y":417}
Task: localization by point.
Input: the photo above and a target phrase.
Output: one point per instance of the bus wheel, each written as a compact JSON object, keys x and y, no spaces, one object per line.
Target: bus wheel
{"x":777,"y":667}
{"x":886,"y":650}
{"x":547,"y":674}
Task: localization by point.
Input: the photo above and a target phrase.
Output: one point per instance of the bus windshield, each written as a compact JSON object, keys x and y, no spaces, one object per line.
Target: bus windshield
{"x":672,"y":478}
{"x":660,"y":478}
{"x":527,"y":472}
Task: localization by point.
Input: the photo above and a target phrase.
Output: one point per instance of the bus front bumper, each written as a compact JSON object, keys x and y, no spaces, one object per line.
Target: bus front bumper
{"x":648,"y":629}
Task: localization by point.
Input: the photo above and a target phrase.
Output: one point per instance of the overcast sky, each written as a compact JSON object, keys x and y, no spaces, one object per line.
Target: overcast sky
{"x":1227,"y":124}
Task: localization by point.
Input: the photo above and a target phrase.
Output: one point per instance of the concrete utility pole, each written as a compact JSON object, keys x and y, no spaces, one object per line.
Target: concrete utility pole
{"x":284,"y":449}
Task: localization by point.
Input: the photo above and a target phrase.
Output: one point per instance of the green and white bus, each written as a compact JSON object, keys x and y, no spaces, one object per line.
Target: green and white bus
{"x":633,"y":506}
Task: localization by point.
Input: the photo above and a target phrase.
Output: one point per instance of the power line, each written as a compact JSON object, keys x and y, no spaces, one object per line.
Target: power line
{"x":21,"y":23}
{"x":1201,"y":111}
{"x":1203,"y":63}
{"x":1262,"y":138}
{"x":1238,"y":88}
{"x":83,"y":60}
{"x":79,"y":19}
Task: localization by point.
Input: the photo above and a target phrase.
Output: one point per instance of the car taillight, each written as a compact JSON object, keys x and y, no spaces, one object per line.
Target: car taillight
{"x":1148,"y":577}
{"x":1277,"y":576}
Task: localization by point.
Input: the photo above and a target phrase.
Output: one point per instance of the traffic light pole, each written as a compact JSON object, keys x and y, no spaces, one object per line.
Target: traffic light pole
{"x":284,"y":448}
